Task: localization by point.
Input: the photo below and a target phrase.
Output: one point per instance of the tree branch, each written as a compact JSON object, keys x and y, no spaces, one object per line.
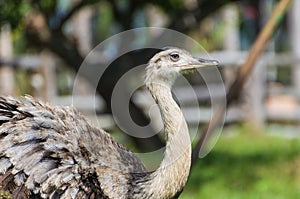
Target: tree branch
{"x":244,"y":72}
{"x":183,"y":23}
{"x":73,"y":10}
{"x":125,"y":18}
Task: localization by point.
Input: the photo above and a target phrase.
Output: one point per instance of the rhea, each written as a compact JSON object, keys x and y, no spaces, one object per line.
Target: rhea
{"x":53,"y":152}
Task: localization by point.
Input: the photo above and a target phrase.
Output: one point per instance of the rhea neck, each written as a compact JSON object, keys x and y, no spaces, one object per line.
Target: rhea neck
{"x":172,"y":174}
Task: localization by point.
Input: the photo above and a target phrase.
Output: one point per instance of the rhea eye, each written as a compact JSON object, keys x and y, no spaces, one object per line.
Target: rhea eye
{"x":174,"y":56}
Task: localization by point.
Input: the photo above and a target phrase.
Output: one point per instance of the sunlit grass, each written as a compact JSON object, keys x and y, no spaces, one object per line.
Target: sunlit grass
{"x":5,"y":194}
{"x":247,"y":165}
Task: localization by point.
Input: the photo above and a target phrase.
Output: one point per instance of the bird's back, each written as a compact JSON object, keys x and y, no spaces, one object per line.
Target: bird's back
{"x":53,"y":152}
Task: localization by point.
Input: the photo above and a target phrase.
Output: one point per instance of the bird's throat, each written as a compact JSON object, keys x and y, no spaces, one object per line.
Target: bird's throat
{"x":173,"y":172}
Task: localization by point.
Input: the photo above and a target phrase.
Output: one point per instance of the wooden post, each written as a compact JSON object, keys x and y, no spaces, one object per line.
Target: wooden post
{"x":231,"y":17}
{"x":294,"y":28}
{"x":43,"y":77}
{"x":83,"y":34}
{"x":6,"y":55}
{"x":49,"y":74}
{"x":231,"y":39}
{"x":82,"y":30}
{"x":254,"y":95}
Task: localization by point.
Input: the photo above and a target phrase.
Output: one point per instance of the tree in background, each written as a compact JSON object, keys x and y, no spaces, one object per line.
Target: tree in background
{"x":46,"y":24}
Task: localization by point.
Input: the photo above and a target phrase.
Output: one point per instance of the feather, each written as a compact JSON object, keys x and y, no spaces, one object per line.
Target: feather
{"x":7,"y":181}
{"x":5,"y":164}
{"x":20,"y":178}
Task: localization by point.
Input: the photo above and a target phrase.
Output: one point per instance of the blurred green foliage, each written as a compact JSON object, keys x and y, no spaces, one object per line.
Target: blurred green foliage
{"x":112,"y":17}
{"x":13,"y":11}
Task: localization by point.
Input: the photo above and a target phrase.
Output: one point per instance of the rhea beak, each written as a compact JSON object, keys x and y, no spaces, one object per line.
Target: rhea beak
{"x":199,"y":63}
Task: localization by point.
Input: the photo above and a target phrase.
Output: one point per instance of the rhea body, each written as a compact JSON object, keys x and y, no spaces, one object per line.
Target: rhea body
{"x":53,"y":152}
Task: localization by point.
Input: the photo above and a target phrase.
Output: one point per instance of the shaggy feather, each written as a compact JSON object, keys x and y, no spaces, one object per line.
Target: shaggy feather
{"x":40,"y":151}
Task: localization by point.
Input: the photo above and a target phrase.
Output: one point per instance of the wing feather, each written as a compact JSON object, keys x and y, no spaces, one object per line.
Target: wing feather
{"x":53,"y":152}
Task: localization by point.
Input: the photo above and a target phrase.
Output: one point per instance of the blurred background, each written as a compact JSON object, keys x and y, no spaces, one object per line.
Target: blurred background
{"x":43,"y":43}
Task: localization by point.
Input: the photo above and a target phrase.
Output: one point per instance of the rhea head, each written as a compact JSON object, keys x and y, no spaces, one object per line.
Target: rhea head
{"x":166,"y":65}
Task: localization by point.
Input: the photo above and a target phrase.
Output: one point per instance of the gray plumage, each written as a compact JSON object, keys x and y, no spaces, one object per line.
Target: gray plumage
{"x":53,"y":152}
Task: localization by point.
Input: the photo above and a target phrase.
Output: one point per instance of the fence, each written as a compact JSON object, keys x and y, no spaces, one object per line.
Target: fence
{"x":261,"y":102}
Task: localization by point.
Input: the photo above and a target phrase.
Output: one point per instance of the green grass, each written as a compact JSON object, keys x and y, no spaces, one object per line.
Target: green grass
{"x":247,"y":165}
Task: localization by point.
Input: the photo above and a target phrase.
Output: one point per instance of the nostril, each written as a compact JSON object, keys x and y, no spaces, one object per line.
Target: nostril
{"x":208,"y":61}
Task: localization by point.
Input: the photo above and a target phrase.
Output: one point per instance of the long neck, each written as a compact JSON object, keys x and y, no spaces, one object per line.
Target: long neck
{"x":173,"y":171}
